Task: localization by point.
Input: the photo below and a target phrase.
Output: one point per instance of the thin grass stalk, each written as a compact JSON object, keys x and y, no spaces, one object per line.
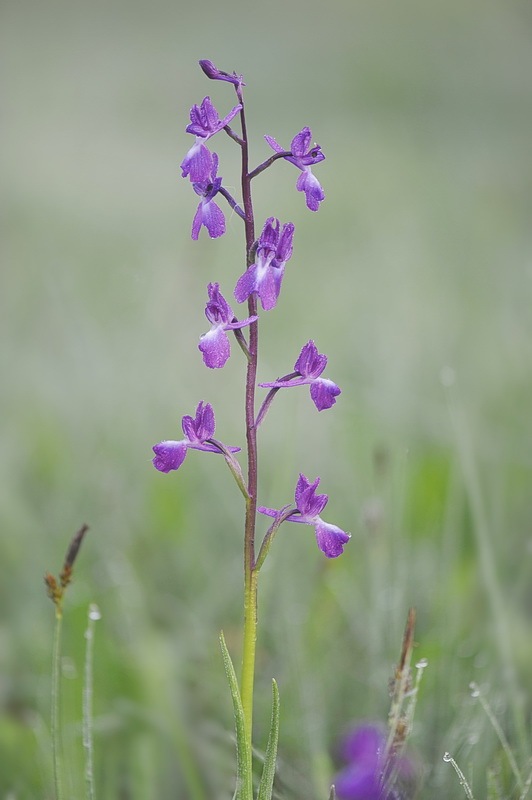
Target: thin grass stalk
{"x":461,"y":777}
{"x":488,"y":566}
{"x":55,"y":718}
{"x":475,"y":692}
{"x":88,"y":744}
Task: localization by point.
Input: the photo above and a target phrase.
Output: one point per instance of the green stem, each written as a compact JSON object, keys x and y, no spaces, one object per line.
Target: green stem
{"x":55,"y":723}
{"x":94,"y":615}
{"x":248,"y":651}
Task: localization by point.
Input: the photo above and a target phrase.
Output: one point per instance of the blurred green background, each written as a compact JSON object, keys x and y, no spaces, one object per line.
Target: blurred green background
{"x":415,"y":277}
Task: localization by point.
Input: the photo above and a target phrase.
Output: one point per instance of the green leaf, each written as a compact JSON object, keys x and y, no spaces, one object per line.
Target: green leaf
{"x":244,"y":783}
{"x":268,"y":770}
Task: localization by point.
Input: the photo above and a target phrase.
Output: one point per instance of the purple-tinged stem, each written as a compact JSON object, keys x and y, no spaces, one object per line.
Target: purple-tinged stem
{"x":269,"y":397}
{"x":250,"y":576}
{"x":269,"y":161}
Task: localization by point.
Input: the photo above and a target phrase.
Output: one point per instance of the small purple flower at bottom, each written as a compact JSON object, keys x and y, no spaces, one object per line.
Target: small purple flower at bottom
{"x":364,"y":776}
{"x":265,"y":276}
{"x":169,"y":455}
{"x":309,"y":366}
{"x":304,"y":156}
{"x":214,"y":344}
{"x":331,"y":539}
{"x":208,"y":213}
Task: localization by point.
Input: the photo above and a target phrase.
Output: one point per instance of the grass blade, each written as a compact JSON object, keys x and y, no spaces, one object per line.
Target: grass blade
{"x":268,"y":770}
{"x":244,"y":783}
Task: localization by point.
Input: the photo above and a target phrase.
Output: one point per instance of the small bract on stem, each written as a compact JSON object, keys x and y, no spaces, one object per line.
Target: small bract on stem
{"x":260,"y":282}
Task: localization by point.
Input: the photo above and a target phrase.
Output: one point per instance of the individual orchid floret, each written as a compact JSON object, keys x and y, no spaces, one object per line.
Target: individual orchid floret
{"x":214,"y":344}
{"x":169,"y":455}
{"x":265,"y":276}
{"x":304,"y":156}
{"x":331,"y":539}
{"x":204,"y":123}
{"x":365,"y":776}
{"x":215,"y":74}
{"x":308,"y":369}
{"x":208,"y":212}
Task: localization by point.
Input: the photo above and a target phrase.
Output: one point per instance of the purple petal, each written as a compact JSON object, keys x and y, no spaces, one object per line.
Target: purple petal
{"x":324,"y":393}
{"x":213,"y":219}
{"x":270,"y":512}
{"x":197,"y":163}
{"x":246,"y":284}
{"x":308,"y":183}
{"x":196,"y":222}
{"x":215,"y":348}
{"x":284,"y":248}
{"x":227,"y":119}
{"x":364,"y":743}
{"x":270,"y":234}
{"x":330,"y":538}
{"x":217,"y":310}
{"x":310,"y":363}
{"x":358,"y":782}
{"x":273,"y":144}
{"x":300,"y":142}
{"x":307,"y":501}
{"x":200,"y":428}
{"x":233,"y":326}
{"x":169,"y":455}
{"x":269,"y":286}
{"x":204,"y":422}
{"x":285,"y":384}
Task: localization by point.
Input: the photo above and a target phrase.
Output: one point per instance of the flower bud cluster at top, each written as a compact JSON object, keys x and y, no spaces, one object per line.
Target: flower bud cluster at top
{"x":261,"y":281}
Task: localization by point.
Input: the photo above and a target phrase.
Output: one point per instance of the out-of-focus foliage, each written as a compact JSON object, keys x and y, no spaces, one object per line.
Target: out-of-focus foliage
{"x":414,"y":277}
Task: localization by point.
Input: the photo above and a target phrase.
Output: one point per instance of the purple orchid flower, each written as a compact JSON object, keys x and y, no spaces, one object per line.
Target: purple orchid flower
{"x":364,"y":776}
{"x":304,"y":156}
{"x":216,"y":74}
{"x":309,"y":505}
{"x":208,"y":212}
{"x":204,"y":123}
{"x":309,"y":367}
{"x":198,"y":432}
{"x":215,"y":344}
{"x":265,"y":276}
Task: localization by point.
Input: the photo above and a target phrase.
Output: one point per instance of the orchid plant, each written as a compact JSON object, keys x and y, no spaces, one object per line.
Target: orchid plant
{"x":267,"y":256}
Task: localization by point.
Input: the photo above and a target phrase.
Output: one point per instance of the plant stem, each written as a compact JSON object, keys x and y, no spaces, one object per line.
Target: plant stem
{"x":248,"y":652}
{"x":94,"y":615}
{"x":250,"y":576}
{"x":55,"y":724}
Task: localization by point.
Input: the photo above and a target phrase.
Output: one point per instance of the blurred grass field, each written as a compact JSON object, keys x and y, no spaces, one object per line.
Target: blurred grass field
{"x":415,"y":277}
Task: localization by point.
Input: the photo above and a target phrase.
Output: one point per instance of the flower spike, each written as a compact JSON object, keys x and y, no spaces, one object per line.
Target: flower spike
{"x":169,"y":455}
{"x":214,"y":344}
{"x":265,"y":276}
{"x":304,"y":156}
{"x":309,"y":366}
{"x":331,"y":539}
